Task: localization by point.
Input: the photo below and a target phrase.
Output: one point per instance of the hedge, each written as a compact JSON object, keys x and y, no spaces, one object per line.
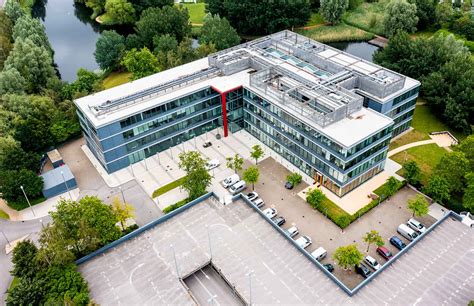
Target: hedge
{"x":341,"y":218}
{"x":168,"y":187}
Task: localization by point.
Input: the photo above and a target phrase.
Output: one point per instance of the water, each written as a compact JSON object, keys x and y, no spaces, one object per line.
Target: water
{"x":363,"y":49}
{"x":72,"y":35}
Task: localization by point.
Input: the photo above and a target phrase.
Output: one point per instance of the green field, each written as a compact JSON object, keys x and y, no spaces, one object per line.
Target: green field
{"x":412,"y":136}
{"x":196,"y":12}
{"x":4,"y":215}
{"x":315,"y":19}
{"x":115,"y":79}
{"x":340,"y":32}
{"x":368,"y":17}
{"x":168,"y":187}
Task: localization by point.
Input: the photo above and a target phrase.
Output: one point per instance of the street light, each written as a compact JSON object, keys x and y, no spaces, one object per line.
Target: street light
{"x":67,"y":187}
{"x":22,"y":189}
{"x":175,"y":261}
{"x":250,"y":286}
{"x":121,"y":191}
{"x":6,"y":239}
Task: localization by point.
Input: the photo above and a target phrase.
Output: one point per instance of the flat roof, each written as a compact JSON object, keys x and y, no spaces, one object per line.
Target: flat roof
{"x":54,"y":177}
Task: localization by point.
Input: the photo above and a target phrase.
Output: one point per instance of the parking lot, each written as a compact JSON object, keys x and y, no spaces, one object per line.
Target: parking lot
{"x":385,"y":218}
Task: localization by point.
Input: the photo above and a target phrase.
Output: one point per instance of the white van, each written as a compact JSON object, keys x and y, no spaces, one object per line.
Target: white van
{"x":407,"y":232}
{"x":231,"y":180}
{"x":237,"y":187}
{"x":319,"y":253}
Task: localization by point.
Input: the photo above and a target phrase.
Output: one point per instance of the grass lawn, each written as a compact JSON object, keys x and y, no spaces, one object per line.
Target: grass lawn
{"x":412,"y":136}
{"x":368,"y":17}
{"x":196,"y":12}
{"x":115,"y":79}
{"x":423,"y":34}
{"x":168,"y":187}
{"x":4,"y":215}
{"x":427,"y":157}
{"x":315,"y":19}
{"x":340,"y":32}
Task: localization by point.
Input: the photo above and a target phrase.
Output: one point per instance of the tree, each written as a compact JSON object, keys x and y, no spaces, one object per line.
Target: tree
{"x":332,"y":10}
{"x":26,"y":292}
{"x":315,"y":197}
{"x":13,"y":157}
{"x":453,"y":167}
{"x":418,"y":205}
{"x":56,"y":245}
{"x":11,"y":180}
{"x":467,"y":147}
{"x":11,"y":81}
{"x":444,"y":12}
{"x":235,"y":163}
{"x":373,"y":237}
{"x":63,"y":283}
{"x":5,"y":48}
{"x":294,"y":178}
{"x":438,"y":188}
{"x":120,"y":11}
{"x":392,"y":186}
{"x":197,"y":177}
{"x":257,"y":153}
{"x":141,"y":5}
{"x":13,"y":10}
{"x":97,"y":7}
{"x":31,"y":28}
{"x":251,"y":175}
{"x":347,"y":256}
{"x":140,"y":63}
{"x":425,"y":11}
{"x":468,"y":198}
{"x":400,"y":16}
{"x":412,"y":172}
{"x":219,"y":32}
{"x":109,"y":49}
{"x":24,"y":260}
{"x":34,"y":63}
{"x":159,"y":21}
{"x":123,"y":211}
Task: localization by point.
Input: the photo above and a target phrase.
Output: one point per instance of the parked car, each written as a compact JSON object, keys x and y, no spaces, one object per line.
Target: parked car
{"x":207,"y":144}
{"x":329,"y":267}
{"x":270,"y":212}
{"x":304,"y":241}
{"x":416,"y":226}
{"x":237,"y":187}
{"x":467,"y":218}
{"x":289,"y":185}
{"x":372,"y":263}
{"x":279,"y":221}
{"x":407,"y":232}
{"x":319,"y":253}
{"x":397,"y":242}
{"x":384,"y":252}
{"x":363,"y":270}
{"x":231,"y":180}
{"x":258,"y":202}
{"x":252,"y":195}
{"x":292,"y":231}
{"x":213,"y":163}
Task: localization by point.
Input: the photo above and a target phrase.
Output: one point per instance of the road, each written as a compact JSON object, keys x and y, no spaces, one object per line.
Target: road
{"x":13,"y":231}
{"x":208,"y":287}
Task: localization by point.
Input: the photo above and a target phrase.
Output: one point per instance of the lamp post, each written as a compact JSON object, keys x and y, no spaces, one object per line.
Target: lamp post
{"x":67,"y":187}
{"x":6,"y":239}
{"x":123,"y":196}
{"x":175,"y":261}
{"x":22,"y":189}
{"x":250,"y":286}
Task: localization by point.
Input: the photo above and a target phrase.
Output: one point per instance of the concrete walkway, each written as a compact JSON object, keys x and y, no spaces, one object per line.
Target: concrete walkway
{"x":410,"y":145}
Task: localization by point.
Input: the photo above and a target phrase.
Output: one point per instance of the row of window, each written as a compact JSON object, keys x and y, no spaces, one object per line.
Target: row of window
{"x":404,"y":117}
{"x":401,"y":108}
{"x":405,"y":96}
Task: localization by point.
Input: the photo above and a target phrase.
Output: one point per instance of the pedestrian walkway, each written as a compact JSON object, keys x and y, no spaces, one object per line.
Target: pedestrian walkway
{"x":410,"y":145}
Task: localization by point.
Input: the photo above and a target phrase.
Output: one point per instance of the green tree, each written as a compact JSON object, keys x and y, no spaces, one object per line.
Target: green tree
{"x":332,"y":10}
{"x":444,"y":12}
{"x":235,"y":163}
{"x":392,"y":186}
{"x":467,"y":147}
{"x":400,"y":16}
{"x":257,"y":153}
{"x":197,"y":177}
{"x":251,"y":175}
{"x":11,"y":81}
{"x":426,"y":12}
{"x":315,"y":197}
{"x":13,"y":157}
{"x":453,"y":167}
{"x":294,"y":178}
{"x":373,"y":237}
{"x":120,"y":11}
{"x":140,"y":63}
{"x":418,"y":205}
{"x":27,"y":292}
{"x":412,"y":172}
{"x":159,"y":21}
{"x":123,"y":211}
{"x":141,"y":5}
{"x":347,"y":256}
{"x":13,"y":10}
{"x":34,"y":63}
{"x":31,"y":28}
{"x":65,"y":283}
{"x":468,"y":198}
{"x":24,"y":260}
{"x":218,"y":31}
{"x":97,"y":7}
{"x":109,"y":49}
{"x":5,"y":48}
{"x":438,"y":188}
{"x":11,"y":180}
{"x":56,"y":246}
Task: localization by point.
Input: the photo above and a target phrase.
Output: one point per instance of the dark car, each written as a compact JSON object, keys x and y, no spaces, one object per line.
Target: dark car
{"x":384,"y":252}
{"x":363,"y":270}
{"x":397,"y":242}
{"x":289,"y":185}
{"x":329,"y":267}
{"x":207,"y":144}
{"x":279,"y":221}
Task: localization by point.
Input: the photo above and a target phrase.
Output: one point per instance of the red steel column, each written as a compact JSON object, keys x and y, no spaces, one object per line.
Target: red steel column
{"x":224,"y":113}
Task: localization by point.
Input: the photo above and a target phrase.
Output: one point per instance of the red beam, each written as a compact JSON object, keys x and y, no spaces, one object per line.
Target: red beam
{"x":224,"y":108}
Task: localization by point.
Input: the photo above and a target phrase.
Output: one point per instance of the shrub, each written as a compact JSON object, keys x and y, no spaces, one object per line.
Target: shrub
{"x":294,"y":178}
{"x":175,"y":206}
{"x":373,"y":20}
